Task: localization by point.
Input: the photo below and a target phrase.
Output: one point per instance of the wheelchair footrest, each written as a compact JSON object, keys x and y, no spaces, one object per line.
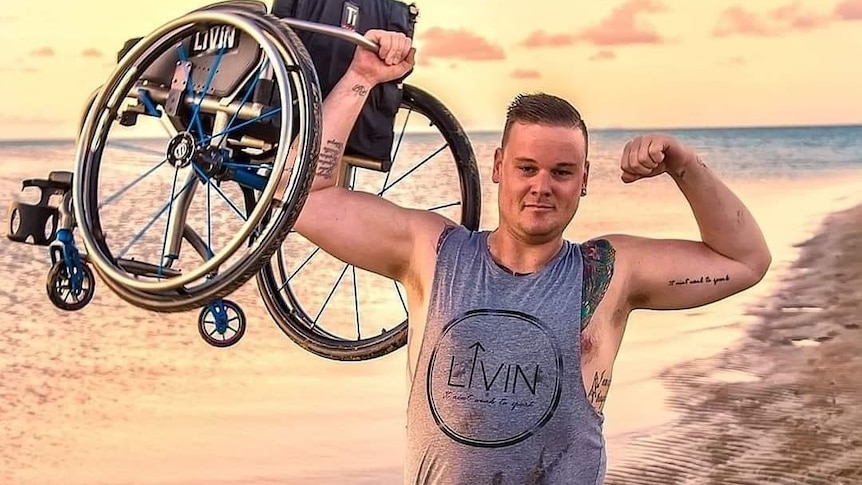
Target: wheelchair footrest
{"x":57,"y":183}
{"x":32,"y":223}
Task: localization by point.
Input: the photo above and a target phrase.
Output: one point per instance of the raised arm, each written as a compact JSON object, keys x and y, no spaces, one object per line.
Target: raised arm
{"x":675,"y":274}
{"x":357,"y":227}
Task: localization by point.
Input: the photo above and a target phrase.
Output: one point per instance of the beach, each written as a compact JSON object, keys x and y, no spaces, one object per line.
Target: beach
{"x":783,"y":404}
{"x":759,"y":388}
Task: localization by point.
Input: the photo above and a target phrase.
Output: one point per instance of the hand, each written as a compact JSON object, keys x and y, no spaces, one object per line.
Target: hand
{"x":393,"y":60}
{"x":650,"y":155}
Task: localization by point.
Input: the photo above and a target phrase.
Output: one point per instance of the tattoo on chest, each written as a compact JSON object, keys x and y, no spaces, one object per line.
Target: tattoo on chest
{"x":598,"y":391}
{"x":598,"y":258}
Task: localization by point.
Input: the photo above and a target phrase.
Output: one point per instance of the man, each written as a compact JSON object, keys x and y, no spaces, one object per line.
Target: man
{"x":514,"y":332}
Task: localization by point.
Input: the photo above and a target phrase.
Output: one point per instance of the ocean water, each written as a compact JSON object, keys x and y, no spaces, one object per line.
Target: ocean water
{"x":115,"y":394}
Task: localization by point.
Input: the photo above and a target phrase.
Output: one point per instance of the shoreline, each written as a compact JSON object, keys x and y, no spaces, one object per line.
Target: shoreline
{"x":781,"y":405}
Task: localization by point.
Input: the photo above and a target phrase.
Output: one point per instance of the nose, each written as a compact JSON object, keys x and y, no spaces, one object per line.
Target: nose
{"x":542,"y":184}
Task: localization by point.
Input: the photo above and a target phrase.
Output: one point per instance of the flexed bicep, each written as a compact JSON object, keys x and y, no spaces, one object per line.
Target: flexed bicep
{"x":672,"y":274}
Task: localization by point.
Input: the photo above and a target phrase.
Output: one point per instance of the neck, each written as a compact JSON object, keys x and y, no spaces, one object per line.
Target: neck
{"x":520,"y":256}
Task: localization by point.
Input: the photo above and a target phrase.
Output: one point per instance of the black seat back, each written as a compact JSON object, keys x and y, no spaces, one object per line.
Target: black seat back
{"x":372,"y":135}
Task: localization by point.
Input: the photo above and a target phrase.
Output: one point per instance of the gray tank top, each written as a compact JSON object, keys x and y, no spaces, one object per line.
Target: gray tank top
{"x":497,"y":396}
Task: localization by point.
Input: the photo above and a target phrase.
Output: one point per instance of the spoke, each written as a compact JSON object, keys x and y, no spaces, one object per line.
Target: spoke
{"x":356,"y":304}
{"x":400,"y":296}
{"x":296,"y":272}
{"x":134,"y":182}
{"x":403,"y":176}
{"x":242,"y":125}
{"x":196,"y":114}
{"x":450,"y":204}
{"x":265,"y":166}
{"x":165,"y":207}
{"x":397,"y":147}
{"x":329,"y":297}
{"x":131,"y":148}
{"x":191,"y":92}
{"x":217,"y":189}
{"x":244,"y":99}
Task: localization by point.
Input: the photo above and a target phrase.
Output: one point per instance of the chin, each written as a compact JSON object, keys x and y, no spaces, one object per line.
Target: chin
{"x":541,"y":231}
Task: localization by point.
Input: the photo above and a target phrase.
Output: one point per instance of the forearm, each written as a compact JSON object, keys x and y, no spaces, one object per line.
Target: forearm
{"x":726,"y":225}
{"x":340,"y":111}
{"x":341,"y":108}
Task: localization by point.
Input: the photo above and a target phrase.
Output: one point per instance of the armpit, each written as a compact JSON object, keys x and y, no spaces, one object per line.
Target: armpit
{"x":445,"y":232}
{"x":598,"y":258}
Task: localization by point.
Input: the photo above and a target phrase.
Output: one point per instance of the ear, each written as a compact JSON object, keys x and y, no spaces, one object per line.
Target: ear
{"x":586,"y":177}
{"x":498,"y":165}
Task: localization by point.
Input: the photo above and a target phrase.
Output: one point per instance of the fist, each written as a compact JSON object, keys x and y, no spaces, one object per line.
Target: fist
{"x":394,"y":57}
{"x":650,"y":155}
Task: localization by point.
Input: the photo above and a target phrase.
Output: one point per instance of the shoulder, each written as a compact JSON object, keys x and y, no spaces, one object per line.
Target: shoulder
{"x":598,"y":257}
{"x":599,"y":250}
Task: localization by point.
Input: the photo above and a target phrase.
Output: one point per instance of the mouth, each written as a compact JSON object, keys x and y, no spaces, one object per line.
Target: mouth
{"x":538,"y":207}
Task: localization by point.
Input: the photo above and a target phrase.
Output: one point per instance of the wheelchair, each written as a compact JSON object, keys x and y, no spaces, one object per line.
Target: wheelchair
{"x":237,"y":96}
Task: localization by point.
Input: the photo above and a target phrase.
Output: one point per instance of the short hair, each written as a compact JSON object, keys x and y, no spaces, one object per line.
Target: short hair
{"x":544,"y":109}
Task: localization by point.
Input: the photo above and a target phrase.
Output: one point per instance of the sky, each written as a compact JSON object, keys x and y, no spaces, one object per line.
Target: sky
{"x":623,"y":63}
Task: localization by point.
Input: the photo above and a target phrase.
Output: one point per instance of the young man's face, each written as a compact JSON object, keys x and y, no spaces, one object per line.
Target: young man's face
{"x":541,"y":172}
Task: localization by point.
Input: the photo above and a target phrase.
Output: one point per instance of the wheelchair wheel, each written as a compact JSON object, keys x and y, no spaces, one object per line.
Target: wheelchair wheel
{"x":297,"y":285}
{"x":235,"y":89}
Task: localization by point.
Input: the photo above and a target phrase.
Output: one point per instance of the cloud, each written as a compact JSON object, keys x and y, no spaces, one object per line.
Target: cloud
{"x":438,"y":42}
{"x":603,"y":55}
{"x":621,"y":27}
{"x":539,"y":38}
{"x":43,"y":52}
{"x":848,"y":10}
{"x":735,"y":20}
{"x":792,"y":17}
{"x":91,"y":52}
{"x":526,"y":74}
{"x":7,"y":19}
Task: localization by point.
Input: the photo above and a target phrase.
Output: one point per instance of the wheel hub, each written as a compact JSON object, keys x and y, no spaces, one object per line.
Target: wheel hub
{"x":211,"y":160}
{"x":181,"y":150}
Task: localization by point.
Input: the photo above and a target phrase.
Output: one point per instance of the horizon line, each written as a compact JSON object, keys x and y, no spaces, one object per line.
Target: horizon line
{"x":484,"y":131}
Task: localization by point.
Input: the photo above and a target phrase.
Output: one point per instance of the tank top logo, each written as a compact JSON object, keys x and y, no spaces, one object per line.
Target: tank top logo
{"x":494,"y":378}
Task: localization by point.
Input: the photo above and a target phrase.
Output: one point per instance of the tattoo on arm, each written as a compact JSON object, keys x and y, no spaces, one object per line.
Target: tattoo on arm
{"x":702,"y":280}
{"x":598,"y":391}
{"x":700,"y":162}
{"x":328,"y":159}
{"x":598,"y":258}
{"x":360,"y":90}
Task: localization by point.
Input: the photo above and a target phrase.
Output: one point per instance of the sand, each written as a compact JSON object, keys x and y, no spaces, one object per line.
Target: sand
{"x":87,"y":397}
{"x":782,"y":406}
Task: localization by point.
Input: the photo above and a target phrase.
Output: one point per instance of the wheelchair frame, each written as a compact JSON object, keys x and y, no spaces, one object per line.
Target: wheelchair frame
{"x":70,"y":266}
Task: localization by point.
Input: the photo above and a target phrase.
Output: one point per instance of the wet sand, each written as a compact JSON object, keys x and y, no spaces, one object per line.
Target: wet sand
{"x":784,"y":405}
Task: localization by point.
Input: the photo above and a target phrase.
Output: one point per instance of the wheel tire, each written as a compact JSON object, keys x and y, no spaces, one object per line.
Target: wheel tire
{"x":180,"y":301}
{"x":229,"y":305}
{"x":58,"y":273}
{"x":287,"y":312}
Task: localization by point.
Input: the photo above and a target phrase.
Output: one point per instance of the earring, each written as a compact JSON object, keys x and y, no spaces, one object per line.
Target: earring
{"x":583,"y":191}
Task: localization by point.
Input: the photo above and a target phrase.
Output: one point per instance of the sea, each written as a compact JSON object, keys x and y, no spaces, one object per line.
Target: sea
{"x":115,"y":394}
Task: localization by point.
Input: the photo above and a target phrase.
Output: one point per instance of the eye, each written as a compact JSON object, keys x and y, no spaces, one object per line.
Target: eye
{"x":527,"y":169}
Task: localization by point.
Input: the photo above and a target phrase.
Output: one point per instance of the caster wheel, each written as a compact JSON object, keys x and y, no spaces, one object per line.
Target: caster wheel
{"x":221,"y":323}
{"x":70,"y":290}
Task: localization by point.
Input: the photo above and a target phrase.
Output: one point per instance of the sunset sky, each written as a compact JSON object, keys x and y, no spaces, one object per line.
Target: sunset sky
{"x":629,"y":63}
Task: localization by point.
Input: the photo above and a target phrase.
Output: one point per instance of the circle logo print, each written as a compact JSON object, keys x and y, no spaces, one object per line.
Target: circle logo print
{"x":494,"y":378}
